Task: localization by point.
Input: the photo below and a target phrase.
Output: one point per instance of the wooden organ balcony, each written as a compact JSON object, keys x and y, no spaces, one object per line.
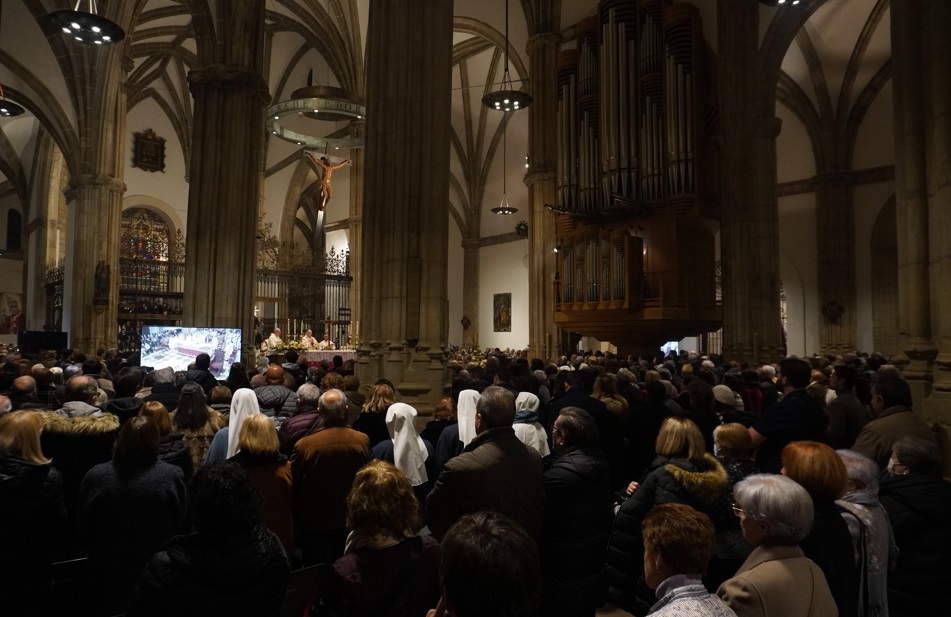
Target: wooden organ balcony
{"x":638,"y":205}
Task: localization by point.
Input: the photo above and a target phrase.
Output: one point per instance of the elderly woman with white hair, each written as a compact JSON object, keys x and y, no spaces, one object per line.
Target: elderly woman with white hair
{"x":776,"y":579}
{"x":527,"y":427}
{"x":406,"y":450}
{"x":872,"y":538}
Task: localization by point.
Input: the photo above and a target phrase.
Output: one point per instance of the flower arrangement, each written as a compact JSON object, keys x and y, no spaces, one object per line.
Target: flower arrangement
{"x":289,"y":345}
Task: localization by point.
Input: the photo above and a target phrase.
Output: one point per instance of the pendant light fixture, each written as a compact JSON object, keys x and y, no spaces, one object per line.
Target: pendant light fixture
{"x":86,"y":27}
{"x":507,"y":98}
{"x":504,"y":208}
{"x":8,"y":109}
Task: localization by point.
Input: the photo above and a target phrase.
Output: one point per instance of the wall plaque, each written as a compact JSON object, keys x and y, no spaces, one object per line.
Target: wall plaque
{"x":148,"y":152}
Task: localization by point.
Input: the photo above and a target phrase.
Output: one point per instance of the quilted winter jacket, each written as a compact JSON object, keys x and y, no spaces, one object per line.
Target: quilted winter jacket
{"x":698,"y":484}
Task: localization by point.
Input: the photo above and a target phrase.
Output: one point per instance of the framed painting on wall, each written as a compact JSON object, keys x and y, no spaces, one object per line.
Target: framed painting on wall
{"x":502,"y":312}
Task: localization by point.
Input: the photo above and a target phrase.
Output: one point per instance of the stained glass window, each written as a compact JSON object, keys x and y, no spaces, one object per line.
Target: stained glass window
{"x":144,"y":251}
{"x":145,"y":235}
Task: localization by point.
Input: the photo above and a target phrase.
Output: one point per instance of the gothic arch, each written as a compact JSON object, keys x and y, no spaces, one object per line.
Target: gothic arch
{"x":163,"y":209}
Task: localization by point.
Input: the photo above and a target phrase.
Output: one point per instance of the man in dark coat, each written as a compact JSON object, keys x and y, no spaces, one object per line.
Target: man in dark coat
{"x":895,"y":419}
{"x":54,"y":395}
{"x":126,"y":405}
{"x":323,"y":467}
{"x":612,"y":438}
{"x":94,"y":368}
{"x":495,"y":472}
{"x":578,"y":516}
{"x":797,"y":417}
{"x":201,"y":375}
{"x":305,"y":421}
{"x":293,"y":368}
{"x":23,"y":394}
{"x":847,"y":414}
{"x":164,"y":390}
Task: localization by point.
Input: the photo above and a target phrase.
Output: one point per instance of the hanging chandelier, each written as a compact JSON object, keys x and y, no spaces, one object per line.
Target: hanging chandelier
{"x":504,"y":208}
{"x":316,"y":103}
{"x":86,"y":27}
{"x":8,"y":109}
{"x":507,"y":98}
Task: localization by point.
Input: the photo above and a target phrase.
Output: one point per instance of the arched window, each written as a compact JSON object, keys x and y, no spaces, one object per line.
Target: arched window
{"x":144,"y":251}
{"x":14,"y":230}
{"x":145,"y":235}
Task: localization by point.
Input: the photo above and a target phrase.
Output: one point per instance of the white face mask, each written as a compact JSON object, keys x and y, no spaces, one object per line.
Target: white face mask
{"x":891,"y":468}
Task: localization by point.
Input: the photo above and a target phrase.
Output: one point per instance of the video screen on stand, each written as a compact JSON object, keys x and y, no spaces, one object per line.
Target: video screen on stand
{"x":177,"y":347}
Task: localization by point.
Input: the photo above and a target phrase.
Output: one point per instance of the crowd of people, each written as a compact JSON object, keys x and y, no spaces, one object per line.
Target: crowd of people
{"x":688,"y":485}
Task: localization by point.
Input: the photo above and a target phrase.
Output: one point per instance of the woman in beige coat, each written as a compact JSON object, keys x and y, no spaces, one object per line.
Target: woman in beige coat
{"x":776,"y":580}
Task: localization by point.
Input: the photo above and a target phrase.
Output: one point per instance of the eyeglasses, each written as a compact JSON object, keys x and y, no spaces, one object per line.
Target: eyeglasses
{"x":737,"y":511}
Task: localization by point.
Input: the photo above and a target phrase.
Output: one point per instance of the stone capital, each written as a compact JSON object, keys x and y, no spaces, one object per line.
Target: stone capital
{"x":541,"y":41}
{"x":232,"y":78}
{"x":100,"y":181}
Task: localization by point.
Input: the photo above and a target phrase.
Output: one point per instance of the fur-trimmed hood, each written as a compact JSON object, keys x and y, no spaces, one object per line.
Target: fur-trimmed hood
{"x":706,"y":480}
{"x":80,"y":425}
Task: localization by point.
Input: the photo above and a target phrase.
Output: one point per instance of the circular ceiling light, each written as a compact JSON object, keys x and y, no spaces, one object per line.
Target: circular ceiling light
{"x":317,"y":103}
{"x":8,"y":109}
{"x":87,"y":28}
{"x":507,"y":99}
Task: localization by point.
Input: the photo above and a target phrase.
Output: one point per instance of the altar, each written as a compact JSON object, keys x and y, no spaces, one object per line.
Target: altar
{"x":315,"y":357}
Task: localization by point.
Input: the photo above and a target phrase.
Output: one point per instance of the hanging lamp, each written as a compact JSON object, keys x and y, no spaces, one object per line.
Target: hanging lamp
{"x":504,"y":208}
{"x":507,"y":98}
{"x":86,"y":27}
{"x":8,"y":109}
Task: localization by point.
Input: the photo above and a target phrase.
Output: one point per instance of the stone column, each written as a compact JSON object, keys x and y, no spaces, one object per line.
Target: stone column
{"x":230,"y":95}
{"x":44,"y":185}
{"x":405,"y":216}
{"x":835,"y":238}
{"x":355,"y":230}
{"x":750,"y":224}
{"x":918,"y":349}
{"x":91,"y":293}
{"x":936,"y":16}
{"x":94,"y":197}
{"x":470,"y":291}
{"x":542,"y":152}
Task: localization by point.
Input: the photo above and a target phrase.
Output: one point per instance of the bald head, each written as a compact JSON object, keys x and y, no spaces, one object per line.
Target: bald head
{"x":333,"y":405}
{"x":23,"y":386}
{"x":82,"y":388}
{"x":274,"y":375}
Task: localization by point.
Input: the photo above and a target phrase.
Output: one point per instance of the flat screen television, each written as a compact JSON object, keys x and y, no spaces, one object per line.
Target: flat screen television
{"x":177,"y":347}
